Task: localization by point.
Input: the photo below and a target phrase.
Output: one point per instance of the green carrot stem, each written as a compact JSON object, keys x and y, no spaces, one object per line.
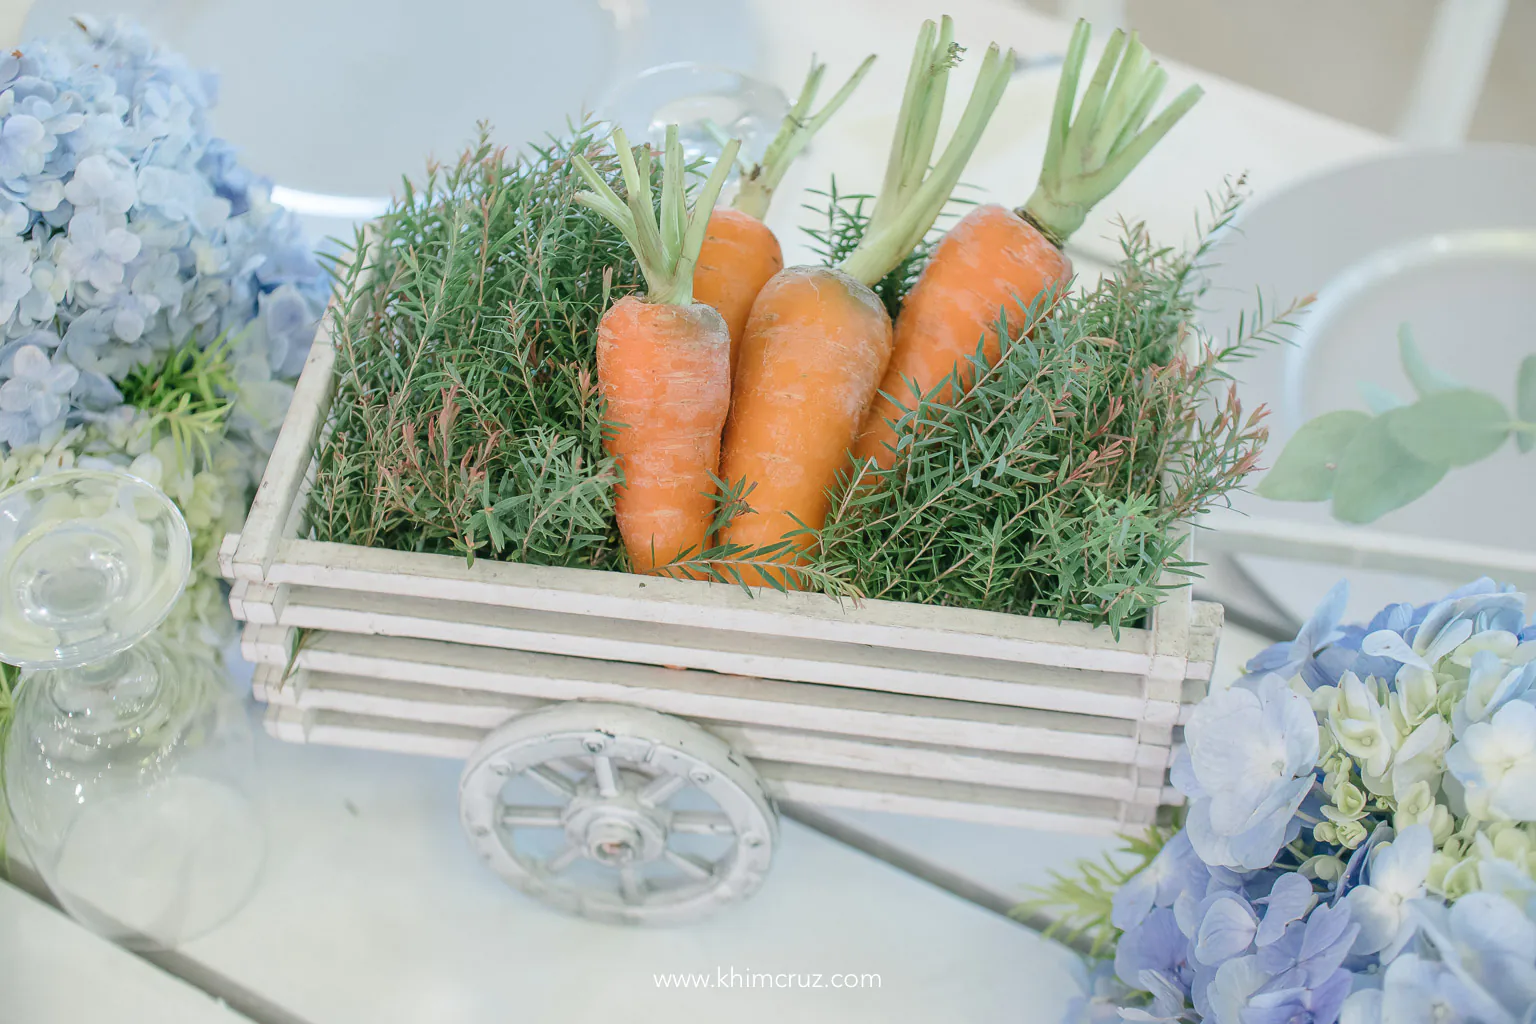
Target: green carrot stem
{"x":1089,"y":155}
{"x":913,"y":195}
{"x":668,"y":249}
{"x":800,"y":126}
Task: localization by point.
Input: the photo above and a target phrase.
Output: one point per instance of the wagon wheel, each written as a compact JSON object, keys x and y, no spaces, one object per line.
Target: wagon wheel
{"x":618,"y":813}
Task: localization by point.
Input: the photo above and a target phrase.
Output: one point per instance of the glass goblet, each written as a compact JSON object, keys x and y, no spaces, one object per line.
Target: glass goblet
{"x":129,"y":764}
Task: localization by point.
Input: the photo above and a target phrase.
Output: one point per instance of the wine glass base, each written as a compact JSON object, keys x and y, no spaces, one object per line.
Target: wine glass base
{"x":158,"y":867}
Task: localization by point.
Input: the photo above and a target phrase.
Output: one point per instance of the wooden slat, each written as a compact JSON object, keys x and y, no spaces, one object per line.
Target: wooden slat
{"x":805,"y":706}
{"x":955,"y":801}
{"x":919,"y":673}
{"x":806,"y":784}
{"x":625,"y":596}
{"x":283,"y":478}
{"x":477,"y":709}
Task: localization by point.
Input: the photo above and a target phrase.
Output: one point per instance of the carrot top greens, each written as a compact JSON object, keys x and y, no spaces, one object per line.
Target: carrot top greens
{"x":468,"y":419}
{"x":913,"y":193}
{"x":667,"y":250}
{"x":759,"y":182}
{"x":1088,"y":156}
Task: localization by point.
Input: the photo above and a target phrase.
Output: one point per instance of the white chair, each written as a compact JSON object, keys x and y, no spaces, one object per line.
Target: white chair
{"x":1451,"y":72}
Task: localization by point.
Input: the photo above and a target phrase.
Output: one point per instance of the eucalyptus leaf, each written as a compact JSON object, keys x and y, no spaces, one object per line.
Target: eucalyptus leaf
{"x":1525,"y":402}
{"x":1425,"y":379}
{"x":1305,"y":469}
{"x":1378,"y":398}
{"x":1376,"y":474}
{"x":1453,"y":428}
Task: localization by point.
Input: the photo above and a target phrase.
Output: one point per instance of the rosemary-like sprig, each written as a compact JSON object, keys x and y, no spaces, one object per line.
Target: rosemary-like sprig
{"x":188,"y":394}
{"x":467,"y":417}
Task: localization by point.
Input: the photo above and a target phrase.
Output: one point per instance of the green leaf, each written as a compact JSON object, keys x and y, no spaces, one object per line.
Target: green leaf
{"x":1305,"y":469}
{"x":1378,"y":398}
{"x":1525,"y":402}
{"x":1453,"y":428}
{"x":1377,"y":475}
{"x":1425,"y":379}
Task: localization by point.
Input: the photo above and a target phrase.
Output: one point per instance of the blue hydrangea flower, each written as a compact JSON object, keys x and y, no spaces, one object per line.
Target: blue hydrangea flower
{"x":1248,"y":763}
{"x":1322,"y":629}
{"x":24,"y":142}
{"x":15,"y":275}
{"x":1154,"y":956}
{"x":103,"y":181}
{"x":1175,"y":870}
{"x":1394,"y":877}
{"x":33,"y":400}
{"x":126,"y":228}
{"x":1298,"y":979}
{"x":100,"y":246}
{"x":1103,"y":996}
{"x":1496,"y":763}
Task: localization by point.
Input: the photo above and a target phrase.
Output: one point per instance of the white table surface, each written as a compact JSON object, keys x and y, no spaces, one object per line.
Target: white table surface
{"x":52,"y":971}
{"x":372,"y":908}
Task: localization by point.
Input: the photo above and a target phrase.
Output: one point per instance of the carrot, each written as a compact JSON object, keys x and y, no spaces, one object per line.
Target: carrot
{"x":740,"y":252}
{"x":819,"y":340}
{"x":995,"y":264}
{"x":663,"y":362}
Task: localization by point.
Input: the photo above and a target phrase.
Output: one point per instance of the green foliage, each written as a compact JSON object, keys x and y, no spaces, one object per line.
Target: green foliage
{"x":189,"y":394}
{"x":1525,"y":403}
{"x":1426,"y":379}
{"x":1080,"y":902}
{"x":1371,"y":466}
{"x":467,"y":416}
{"x":1055,"y":486}
{"x":1377,"y":474}
{"x":1306,"y":469}
{"x":1451,"y":428}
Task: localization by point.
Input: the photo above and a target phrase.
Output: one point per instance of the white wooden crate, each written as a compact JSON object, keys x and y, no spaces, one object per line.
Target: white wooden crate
{"x":873,"y":704}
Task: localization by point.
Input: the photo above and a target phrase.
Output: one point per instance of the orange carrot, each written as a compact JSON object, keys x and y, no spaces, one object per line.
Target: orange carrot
{"x":663,"y":363}
{"x":740,"y":252}
{"x":995,"y":263}
{"x":815,"y":349}
{"x":819,"y":340}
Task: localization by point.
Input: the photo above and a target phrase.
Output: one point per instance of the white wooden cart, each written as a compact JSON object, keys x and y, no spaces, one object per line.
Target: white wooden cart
{"x":650,"y":724}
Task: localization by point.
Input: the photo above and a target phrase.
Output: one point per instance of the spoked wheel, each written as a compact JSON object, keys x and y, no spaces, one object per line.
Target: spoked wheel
{"x":619,"y":814}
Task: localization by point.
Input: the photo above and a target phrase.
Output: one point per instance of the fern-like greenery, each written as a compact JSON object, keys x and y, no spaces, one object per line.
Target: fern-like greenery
{"x":1079,"y":903}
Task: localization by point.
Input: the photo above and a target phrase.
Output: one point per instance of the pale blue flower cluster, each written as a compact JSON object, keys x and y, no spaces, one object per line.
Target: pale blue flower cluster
{"x":126,"y":229}
{"x":1360,"y":842}
{"x":127,"y":232}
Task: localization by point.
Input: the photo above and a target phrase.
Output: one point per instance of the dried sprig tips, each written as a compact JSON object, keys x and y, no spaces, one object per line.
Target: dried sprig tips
{"x":799,"y":127}
{"x":915,"y":189}
{"x":1089,"y":155}
{"x":666,"y":249}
